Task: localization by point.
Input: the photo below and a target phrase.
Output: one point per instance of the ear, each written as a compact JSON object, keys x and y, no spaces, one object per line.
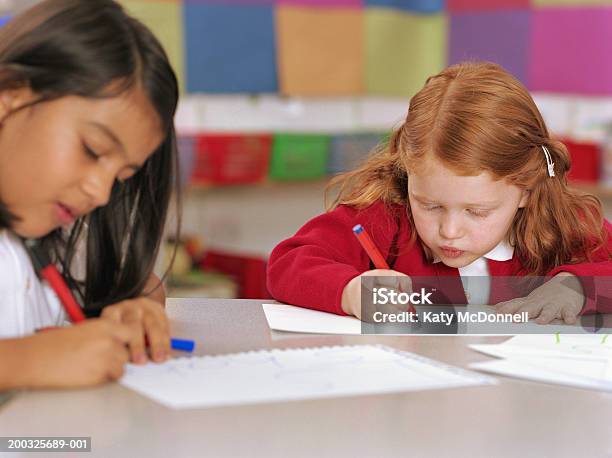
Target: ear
{"x":12,"y":99}
{"x":524,"y":198}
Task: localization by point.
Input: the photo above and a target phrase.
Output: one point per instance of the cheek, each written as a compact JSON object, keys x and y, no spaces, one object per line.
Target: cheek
{"x":492,"y":229}
{"x":425,"y":223}
{"x":38,"y":175}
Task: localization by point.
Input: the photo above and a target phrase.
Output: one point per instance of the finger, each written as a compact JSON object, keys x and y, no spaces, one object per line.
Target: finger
{"x":547,"y":314}
{"x":158,"y":337}
{"x":156,"y":311}
{"x":405,"y":284}
{"x":118,"y":358}
{"x":116,"y":369}
{"x":120,"y":333}
{"x":392,"y":309}
{"x":111,"y":312}
{"x":159,"y":312}
{"x":512,"y":306}
{"x":388,"y":281}
{"x":569,"y":316}
{"x":533,"y":309}
{"x":134,"y":319}
{"x":500,"y":305}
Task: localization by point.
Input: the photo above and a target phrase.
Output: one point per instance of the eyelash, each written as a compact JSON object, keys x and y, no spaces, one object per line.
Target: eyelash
{"x":91,"y":153}
{"x":479,"y":214}
{"x":476,"y":213}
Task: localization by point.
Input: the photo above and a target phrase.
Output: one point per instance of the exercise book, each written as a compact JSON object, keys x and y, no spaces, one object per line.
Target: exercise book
{"x":292,"y":374}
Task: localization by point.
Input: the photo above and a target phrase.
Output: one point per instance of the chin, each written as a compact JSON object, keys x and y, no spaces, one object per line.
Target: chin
{"x":457,"y":263}
{"x":31,"y":231}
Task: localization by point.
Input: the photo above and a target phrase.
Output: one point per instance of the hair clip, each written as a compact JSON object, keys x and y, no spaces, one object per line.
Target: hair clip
{"x":549,"y":163}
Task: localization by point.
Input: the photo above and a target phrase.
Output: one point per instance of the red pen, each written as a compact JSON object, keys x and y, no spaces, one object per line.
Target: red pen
{"x":377,"y":259}
{"x":47,"y":270}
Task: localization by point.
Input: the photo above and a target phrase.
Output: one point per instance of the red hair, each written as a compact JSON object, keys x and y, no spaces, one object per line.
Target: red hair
{"x":476,"y":117}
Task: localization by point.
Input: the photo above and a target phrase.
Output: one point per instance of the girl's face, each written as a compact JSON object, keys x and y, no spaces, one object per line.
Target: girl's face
{"x":461,"y":218}
{"x":59,"y":159}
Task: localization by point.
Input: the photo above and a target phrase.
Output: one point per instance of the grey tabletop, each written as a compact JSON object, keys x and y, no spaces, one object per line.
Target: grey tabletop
{"x":513,"y":418}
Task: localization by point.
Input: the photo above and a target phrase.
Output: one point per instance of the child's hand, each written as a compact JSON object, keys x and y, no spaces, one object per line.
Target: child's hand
{"x":148,"y":322}
{"x":351,"y":295}
{"x":85,"y":354}
{"x":560,"y":297}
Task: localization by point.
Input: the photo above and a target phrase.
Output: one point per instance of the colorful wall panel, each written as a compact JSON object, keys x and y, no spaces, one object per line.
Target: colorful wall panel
{"x":571,"y":51}
{"x":379,"y":47}
{"x":500,"y":36}
{"x":320,"y":52}
{"x":165,"y":19}
{"x":487,"y":5}
{"x":414,"y":6}
{"x":402,"y":50}
{"x":230,"y":48}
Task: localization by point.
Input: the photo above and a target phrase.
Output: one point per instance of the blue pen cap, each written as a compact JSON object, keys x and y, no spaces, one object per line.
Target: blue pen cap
{"x":182,"y":344}
{"x":358,"y":229}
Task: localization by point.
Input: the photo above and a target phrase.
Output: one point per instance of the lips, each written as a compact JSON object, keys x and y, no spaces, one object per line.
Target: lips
{"x":65,"y":214}
{"x":450,"y":252}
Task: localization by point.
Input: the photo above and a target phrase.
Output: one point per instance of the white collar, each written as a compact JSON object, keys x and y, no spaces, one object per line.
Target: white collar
{"x":502,"y":252}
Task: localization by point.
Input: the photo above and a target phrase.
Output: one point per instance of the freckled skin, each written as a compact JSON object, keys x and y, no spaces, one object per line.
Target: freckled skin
{"x":468,"y":213}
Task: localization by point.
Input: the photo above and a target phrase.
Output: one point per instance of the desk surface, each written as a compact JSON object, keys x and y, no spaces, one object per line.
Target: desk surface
{"x":514,"y":418}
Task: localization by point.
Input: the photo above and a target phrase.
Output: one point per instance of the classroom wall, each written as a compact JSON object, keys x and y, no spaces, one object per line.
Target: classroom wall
{"x":328,"y":68}
{"x":251,"y":219}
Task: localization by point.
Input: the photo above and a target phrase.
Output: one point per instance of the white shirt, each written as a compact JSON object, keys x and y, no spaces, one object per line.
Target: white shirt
{"x":26,"y":304}
{"x":477,"y":289}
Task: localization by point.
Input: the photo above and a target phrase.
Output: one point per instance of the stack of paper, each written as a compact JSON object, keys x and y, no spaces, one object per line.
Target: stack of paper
{"x":575,"y":360}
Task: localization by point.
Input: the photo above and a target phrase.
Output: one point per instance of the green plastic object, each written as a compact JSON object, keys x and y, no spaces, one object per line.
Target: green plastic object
{"x":299,"y":157}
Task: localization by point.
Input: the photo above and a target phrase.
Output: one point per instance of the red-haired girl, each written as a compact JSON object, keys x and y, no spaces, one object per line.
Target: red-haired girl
{"x":470,"y":184}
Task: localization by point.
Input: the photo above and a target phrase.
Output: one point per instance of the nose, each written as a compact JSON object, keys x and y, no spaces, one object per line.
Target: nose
{"x":98,"y":186}
{"x":450,"y":227}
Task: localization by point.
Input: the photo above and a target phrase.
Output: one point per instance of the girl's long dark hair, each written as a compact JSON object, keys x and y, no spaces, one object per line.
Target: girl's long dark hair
{"x":84,"y":48}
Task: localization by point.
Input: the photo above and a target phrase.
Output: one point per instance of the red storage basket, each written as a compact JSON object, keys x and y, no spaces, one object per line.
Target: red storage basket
{"x":226,"y":159}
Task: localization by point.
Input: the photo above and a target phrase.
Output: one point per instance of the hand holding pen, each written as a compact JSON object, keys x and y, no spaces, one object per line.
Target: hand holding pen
{"x":144,"y":316}
{"x":351,"y":295}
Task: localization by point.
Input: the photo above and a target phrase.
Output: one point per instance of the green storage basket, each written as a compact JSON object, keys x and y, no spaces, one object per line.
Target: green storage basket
{"x":299,"y":156}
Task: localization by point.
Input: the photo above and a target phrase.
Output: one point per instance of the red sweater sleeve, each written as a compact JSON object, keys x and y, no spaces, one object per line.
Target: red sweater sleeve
{"x":595,"y":277}
{"x":312,"y":268}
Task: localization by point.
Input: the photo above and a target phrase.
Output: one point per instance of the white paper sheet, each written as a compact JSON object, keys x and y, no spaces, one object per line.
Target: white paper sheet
{"x":289,"y":318}
{"x":562,"y":345}
{"x":292,"y":374}
{"x":575,"y":360}
{"x":531,"y":370}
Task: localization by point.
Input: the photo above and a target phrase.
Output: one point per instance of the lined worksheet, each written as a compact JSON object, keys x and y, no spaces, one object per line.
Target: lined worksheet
{"x":292,"y":374}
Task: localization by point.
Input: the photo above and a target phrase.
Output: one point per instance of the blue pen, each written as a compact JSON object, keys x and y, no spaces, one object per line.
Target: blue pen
{"x":182,"y":344}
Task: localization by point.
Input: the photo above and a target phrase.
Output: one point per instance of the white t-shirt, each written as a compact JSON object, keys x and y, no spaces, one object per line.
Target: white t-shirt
{"x":26,"y":303}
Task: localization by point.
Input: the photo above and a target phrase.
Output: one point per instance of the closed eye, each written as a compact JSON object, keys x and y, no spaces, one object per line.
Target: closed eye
{"x":478,"y":213}
{"x":90,"y":152}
